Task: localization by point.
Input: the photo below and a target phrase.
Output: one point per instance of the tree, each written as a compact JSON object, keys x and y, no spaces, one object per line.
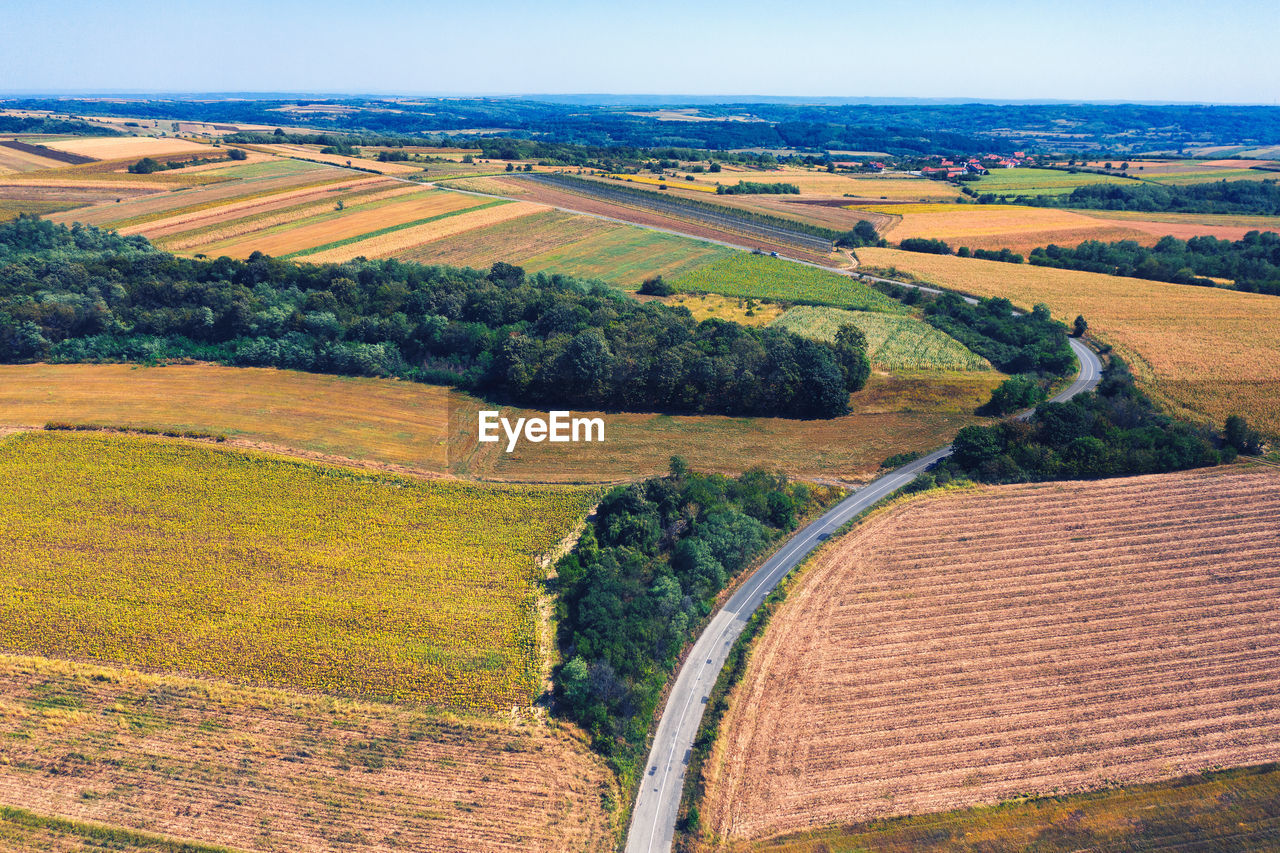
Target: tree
{"x":851,"y":350}
{"x":237,"y":154}
{"x":1079,"y":327}
{"x":656,"y":287}
{"x":511,"y":167}
{"x":1237,"y":434}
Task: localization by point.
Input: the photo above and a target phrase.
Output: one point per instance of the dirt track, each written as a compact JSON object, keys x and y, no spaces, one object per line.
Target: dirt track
{"x":1025,"y":639}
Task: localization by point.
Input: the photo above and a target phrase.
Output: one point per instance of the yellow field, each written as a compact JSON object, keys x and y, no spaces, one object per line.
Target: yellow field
{"x":120,"y":147}
{"x":999,"y":226}
{"x":1178,"y":339}
{"x":375,"y":420}
{"x":174,"y":556}
{"x":388,"y":245}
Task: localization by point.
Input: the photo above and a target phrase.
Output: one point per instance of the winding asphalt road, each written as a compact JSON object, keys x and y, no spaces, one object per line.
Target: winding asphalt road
{"x":653,"y":820}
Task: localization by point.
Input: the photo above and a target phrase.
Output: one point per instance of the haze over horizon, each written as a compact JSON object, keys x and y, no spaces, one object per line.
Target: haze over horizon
{"x":981,"y":51}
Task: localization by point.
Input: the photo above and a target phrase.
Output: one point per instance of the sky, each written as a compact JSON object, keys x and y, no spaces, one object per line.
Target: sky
{"x":1175,"y":50}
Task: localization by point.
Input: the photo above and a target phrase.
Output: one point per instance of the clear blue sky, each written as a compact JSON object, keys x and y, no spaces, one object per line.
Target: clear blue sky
{"x":1176,"y":50}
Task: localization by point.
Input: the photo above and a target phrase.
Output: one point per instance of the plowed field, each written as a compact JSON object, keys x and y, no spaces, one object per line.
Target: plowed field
{"x":977,"y":646}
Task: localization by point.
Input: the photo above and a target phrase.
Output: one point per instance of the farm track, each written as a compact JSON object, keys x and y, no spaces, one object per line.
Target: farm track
{"x":947,"y":655}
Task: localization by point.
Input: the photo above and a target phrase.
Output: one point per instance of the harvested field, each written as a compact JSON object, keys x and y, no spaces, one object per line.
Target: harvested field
{"x":1186,"y":225}
{"x":763,"y":277}
{"x":893,"y":341}
{"x":224,"y":222}
{"x":20,"y":160}
{"x":405,"y":427}
{"x":312,"y":152}
{"x":190,"y":200}
{"x":46,"y":152}
{"x":1179,"y":340}
{"x":895,"y":413}
{"x":264,"y":770}
{"x":1001,"y":226}
{"x":336,"y":225}
{"x":1225,"y":810}
{"x":584,"y":246}
{"x":184,"y":557}
{"x":399,"y":424}
{"x":389,"y":241}
{"x":121,"y":147}
{"x":819,"y":182}
{"x":978,"y":645}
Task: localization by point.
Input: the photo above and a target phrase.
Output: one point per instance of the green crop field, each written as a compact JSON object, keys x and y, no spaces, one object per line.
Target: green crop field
{"x":763,"y":277}
{"x":183,"y":557}
{"x":893,"y":340}
{"x":1233,"y":810}
{"x":626,"y":255}
{"x":1039,"y":181}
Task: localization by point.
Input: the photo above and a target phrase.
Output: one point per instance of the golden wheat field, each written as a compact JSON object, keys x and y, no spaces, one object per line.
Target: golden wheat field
{"x":1178,"y":339}
{"x":176,"y":556}
{"x":999,"y":226}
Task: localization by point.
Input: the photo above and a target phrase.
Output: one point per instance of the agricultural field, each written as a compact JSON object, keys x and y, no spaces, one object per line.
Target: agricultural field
{"x":431,"y":607}
{"x":583,"y":246}
{"x":400,"y":425}
{"x":896,"y":412}
{"x":1030,"y":181}
{"x":1209,"y":352}
{"x":763,"y":277}
{"x":121,"y":147}
{"x":164,"y":760}
{"x":1224,"y":226}
{"x":429,"y":431}
{"x":1196,"y":171}
{"x":1001,"y":226}
{"x":984,"y":644}
{"x":390,"y":240}
{"x":332,"y":226}
{"x":893,"y":341}
{"x":224,"y":186}
{"x":695,"y":227}
{"x":1224,"y":810}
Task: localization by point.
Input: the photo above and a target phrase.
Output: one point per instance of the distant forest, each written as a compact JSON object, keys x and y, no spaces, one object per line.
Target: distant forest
{"x":904,"y":130}
{"x":83,"y":295}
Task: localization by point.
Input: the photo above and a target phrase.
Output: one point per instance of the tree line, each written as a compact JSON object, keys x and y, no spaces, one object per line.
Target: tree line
{"x":79,"y":294}
{"x":642,"y":579}
{"x":1255,"y":198}
{"x":1252,"y":262}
